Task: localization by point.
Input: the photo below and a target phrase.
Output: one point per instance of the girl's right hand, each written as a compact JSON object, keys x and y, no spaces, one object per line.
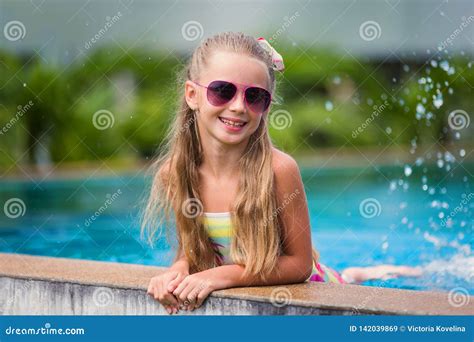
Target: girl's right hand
{"x":162,"y":286}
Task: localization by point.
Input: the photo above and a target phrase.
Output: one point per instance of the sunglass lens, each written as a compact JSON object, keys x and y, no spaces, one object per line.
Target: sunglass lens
{"x":258,"y":99}
{"x":220,"y":92}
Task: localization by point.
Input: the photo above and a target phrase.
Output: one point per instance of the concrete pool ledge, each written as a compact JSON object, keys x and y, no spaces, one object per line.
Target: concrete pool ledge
{"x":32,"y":285}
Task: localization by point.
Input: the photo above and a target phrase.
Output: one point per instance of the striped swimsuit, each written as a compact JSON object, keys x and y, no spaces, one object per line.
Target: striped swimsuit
{"x":219,"y":228}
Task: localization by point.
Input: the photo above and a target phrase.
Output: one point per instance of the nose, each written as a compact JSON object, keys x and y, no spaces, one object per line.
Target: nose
{"x":238,"y":102}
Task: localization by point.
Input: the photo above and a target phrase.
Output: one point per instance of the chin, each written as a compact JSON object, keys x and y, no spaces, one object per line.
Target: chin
{"x":232,"y":140}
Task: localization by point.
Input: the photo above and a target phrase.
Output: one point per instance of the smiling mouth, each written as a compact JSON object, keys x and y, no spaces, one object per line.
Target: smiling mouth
{"x":232,"y":123}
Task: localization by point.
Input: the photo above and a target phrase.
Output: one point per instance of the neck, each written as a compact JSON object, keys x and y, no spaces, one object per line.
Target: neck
{"x":221,"y":160}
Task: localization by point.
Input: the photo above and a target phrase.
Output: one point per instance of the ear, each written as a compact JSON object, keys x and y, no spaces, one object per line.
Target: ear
{"x":191,"y":95}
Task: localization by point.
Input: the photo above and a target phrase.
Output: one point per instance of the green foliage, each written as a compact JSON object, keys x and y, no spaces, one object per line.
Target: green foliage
{"x":327,"y":96}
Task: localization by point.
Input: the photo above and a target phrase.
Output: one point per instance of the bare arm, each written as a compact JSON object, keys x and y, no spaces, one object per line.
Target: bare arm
{"x":288,"y":271}
{"x":181,"y":263}
{"x":293,"y":266}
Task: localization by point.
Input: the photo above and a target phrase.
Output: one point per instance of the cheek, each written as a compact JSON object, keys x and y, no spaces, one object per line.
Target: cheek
{"x":208,"y":115}
{"x":256,"y":122}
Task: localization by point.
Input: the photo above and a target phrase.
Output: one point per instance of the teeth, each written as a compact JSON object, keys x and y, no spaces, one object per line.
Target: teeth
{"x":231,"y":123}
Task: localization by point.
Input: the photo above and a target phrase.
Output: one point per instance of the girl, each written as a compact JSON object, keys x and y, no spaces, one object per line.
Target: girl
{"x":237,"y":202}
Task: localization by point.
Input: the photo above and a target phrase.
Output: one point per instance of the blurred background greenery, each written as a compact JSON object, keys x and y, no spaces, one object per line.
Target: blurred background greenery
{"x":328,"y":92}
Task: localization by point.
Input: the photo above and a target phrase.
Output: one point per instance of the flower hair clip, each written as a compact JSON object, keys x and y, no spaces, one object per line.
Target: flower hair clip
{"x":277,"y":59}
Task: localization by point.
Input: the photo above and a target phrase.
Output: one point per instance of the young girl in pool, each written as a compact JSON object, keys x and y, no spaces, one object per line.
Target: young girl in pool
{"x":237,"y":202}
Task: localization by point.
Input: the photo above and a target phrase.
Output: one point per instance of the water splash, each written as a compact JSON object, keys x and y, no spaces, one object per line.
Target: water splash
{"x":329,"y":106}
{"x":438,"y":100}
{"x":407,"y":170}
{"x":459,"y":266}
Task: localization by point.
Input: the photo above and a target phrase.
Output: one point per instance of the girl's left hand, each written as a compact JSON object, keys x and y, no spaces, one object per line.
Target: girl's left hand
{"x":193,"y":290}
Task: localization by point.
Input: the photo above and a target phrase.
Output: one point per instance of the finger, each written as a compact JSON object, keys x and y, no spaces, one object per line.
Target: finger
{"x":180,"y":287}
{"x":192,"y":297}
{"x":183,"y":296}
{"x":150,"y":289}
{"x":170,"y":310}
{"x":203,"y":294}
{"x":171,"y":276}
{"x":171,"y":299}
{"x":175,"y":282}
{"x":159,"y":294}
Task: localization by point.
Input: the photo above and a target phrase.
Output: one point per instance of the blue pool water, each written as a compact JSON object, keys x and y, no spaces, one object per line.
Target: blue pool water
{"x":408,"y":210}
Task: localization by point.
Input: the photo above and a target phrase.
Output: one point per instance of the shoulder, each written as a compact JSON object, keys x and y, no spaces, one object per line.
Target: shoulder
{"x":286,"y":172}
{"x":283,"y":164}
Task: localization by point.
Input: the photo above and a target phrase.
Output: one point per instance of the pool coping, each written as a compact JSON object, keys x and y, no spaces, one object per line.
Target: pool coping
{"x":349,"y":299}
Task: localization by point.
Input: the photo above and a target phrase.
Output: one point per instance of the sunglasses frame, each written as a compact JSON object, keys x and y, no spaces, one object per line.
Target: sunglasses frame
{"x":238,"y":86}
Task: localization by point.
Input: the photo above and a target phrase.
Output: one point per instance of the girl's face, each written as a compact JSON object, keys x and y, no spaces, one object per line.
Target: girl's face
{"x":238,"y":69}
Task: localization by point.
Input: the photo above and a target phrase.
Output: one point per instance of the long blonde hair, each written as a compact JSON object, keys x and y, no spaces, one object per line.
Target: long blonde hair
{"x":175,"y":199}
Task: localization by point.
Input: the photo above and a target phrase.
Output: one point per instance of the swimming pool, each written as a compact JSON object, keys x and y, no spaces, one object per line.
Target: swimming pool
{"x":359,"y":217}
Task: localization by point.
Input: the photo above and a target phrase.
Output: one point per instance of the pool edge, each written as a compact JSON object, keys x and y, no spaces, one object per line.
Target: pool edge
{"x":75,"y":282}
